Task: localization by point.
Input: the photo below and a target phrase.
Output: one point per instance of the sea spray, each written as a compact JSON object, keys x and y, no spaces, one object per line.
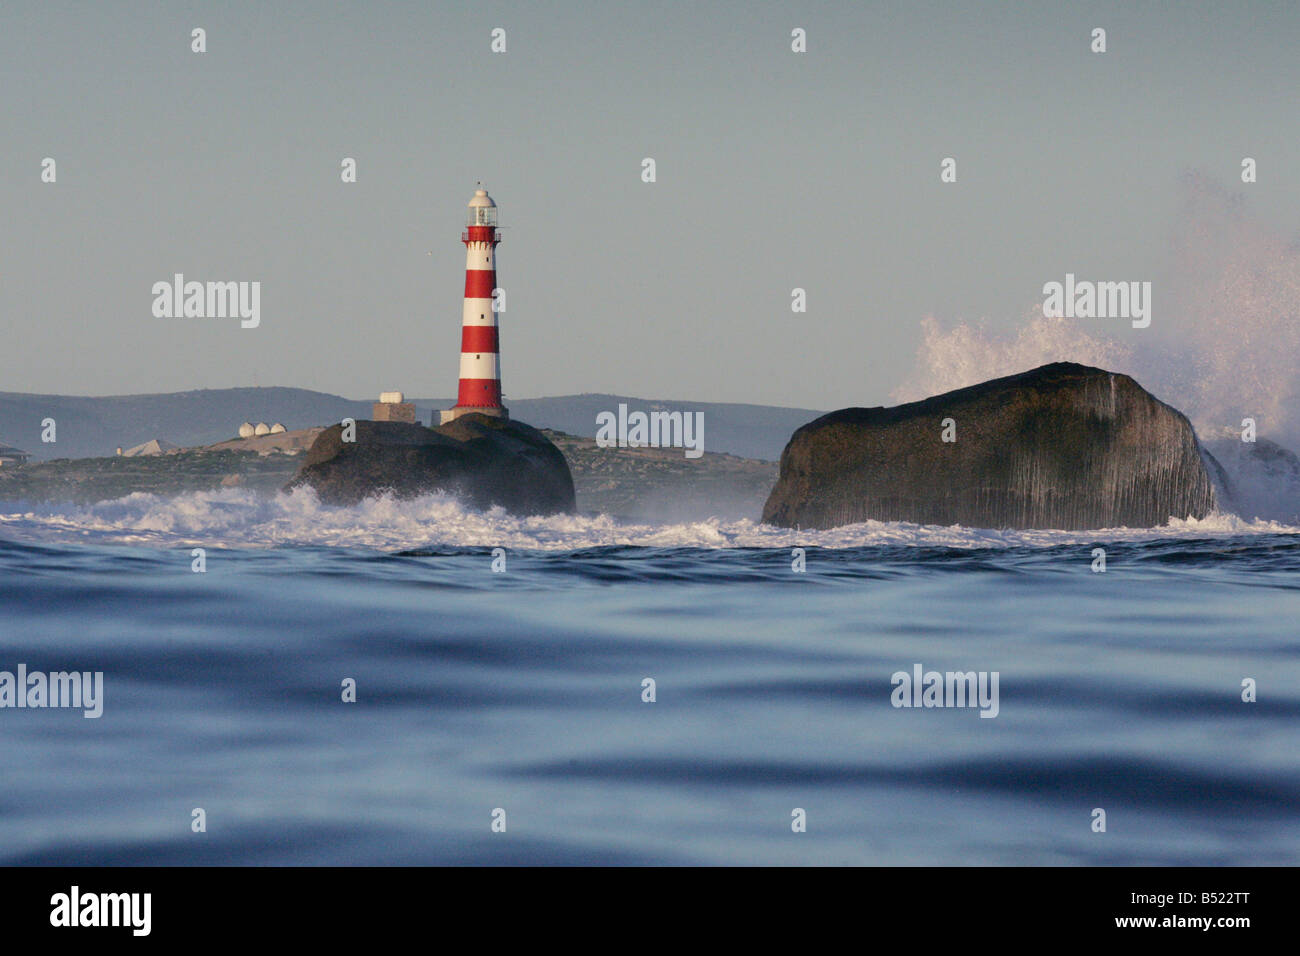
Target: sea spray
{"x":240,"y":518}
{"x":1229,"y":349}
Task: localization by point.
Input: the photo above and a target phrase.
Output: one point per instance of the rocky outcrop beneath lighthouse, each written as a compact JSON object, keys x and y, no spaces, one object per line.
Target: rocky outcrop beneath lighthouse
{"x":483,"y":460}
{"x":1061,"y":446}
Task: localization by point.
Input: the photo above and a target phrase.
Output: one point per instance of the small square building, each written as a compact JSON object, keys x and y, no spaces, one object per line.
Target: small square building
{"x":392,"y":408}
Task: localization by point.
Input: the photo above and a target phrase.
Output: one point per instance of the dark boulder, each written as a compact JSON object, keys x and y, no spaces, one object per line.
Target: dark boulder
{"x":483,"y":460}
{"x":1061,"y":446}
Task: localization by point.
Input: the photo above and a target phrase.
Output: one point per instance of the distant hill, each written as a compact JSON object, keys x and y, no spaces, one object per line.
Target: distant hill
{"x":88,"y":427}
{"x":749,"y":431}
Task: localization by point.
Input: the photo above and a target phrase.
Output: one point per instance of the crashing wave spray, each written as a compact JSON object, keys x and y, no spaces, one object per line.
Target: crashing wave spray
{"x":1229,"y":348}
{"x":1232,"y":350}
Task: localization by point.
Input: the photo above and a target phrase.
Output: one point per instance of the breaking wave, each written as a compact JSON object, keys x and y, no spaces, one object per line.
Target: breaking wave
{"x":968,"y":353}
{"x":1224,"y":343}
{"x":239,"y":518}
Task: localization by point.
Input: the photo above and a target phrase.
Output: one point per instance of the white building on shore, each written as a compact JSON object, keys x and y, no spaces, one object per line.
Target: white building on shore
{"x":11,"y":457}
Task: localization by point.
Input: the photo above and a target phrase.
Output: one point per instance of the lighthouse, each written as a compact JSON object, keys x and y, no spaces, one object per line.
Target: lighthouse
{"x":480,"y":368}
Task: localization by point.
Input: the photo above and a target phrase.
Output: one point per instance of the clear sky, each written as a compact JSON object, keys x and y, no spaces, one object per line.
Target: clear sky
{"x":774,"y":170}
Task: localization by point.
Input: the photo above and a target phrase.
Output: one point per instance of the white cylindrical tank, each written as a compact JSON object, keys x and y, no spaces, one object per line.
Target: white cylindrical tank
{"x":277,"y":429}
{"x":391,"y":398}
{"x":262,"y":429}
{"x":246,"y":430}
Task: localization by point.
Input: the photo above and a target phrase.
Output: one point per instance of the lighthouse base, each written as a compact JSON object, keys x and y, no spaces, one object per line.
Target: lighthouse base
{"x":451,"y":414}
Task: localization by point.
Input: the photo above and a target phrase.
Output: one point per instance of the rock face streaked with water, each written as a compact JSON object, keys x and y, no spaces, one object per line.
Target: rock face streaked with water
{"x":485,"y":461}
{"x":1061,"y":446}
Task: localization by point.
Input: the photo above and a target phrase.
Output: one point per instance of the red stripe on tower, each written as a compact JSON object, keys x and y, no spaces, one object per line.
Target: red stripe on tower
{"x":479,"y":283}
{"x":478,"y":338}
{"x":479,"y":393}
{"x":480,"y":366}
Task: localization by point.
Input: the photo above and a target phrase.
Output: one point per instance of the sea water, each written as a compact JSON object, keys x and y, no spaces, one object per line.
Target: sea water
{"x":502,"y":710}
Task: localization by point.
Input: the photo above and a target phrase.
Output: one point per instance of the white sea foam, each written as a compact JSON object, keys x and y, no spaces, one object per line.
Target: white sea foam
{"x":238,"y":518}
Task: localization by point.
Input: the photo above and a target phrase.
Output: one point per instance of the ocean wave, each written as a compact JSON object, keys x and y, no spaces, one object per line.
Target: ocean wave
{"x":239,"y":518}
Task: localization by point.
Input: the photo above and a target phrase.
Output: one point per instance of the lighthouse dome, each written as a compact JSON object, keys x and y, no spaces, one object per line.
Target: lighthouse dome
{"x":482,"y":210}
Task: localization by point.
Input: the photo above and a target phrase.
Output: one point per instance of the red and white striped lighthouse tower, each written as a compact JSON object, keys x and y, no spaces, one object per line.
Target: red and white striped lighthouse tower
{"x":480,"y":368}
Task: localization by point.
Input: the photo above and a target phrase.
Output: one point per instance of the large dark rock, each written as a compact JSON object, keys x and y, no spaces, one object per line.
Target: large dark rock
{"x":483,"y":460}
{"x":1061,"y":446}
